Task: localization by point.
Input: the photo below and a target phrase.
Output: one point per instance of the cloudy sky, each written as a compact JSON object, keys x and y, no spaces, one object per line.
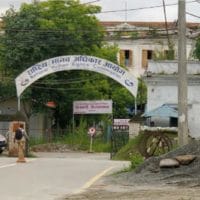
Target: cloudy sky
{"x":137,"y":10}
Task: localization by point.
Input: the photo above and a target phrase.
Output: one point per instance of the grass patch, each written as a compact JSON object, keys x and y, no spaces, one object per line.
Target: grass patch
{"x":136,"y":160}
{"x":79,"y":140}
{"x":101,"y":146}
{"x":76,"y":142}
{"x":130,"y":149}
{"x":36,"y":141}
{"x":131,"y":153}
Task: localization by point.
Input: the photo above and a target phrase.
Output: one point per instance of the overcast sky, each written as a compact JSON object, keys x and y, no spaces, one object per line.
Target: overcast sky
{"x":151,"y":14}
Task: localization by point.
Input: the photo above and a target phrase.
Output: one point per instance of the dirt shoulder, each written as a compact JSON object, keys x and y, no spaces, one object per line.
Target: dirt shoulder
{"x":147,"y":192}
{"x":150,"y":182}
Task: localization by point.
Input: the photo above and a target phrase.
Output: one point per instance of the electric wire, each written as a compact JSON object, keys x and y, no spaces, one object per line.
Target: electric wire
{"x":136,"y":9}
{"x":166,"y":25}
{"x":193,"y":15}
{"x":58,"y":82}
{"x":68,"y":31}
{"x":89,"y":2}
{"x":51,"y":31}
{"x":64,"y":89}
{"x":142,"y":8}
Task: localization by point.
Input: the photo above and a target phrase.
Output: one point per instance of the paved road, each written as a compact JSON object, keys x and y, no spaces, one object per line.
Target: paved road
{"x":51,"y":176}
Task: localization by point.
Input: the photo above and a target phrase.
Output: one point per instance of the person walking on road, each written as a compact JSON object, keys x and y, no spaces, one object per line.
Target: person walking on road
{"x":20,"y":137}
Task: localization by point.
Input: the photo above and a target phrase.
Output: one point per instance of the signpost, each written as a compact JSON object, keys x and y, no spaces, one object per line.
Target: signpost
{"x":91,"y":132}
{"x":92,"y":107}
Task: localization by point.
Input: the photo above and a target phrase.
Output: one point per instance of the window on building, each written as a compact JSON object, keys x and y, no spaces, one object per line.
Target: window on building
{"x":173,"y":122}
{"x":126,"y":58}
{"x":149,"y":54}
{"x":146,"y":55}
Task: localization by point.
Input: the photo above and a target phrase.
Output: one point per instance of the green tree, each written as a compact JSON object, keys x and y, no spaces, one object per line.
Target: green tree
{"x":48,"y":29}
{"x":197,"y":49}
{"x":142,"y":93}
{"x":42,"y":30}
{"x":122,"y":100}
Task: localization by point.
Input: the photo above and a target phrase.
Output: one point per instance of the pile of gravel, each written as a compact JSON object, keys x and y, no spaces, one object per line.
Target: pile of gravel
{"x":150,"y":172}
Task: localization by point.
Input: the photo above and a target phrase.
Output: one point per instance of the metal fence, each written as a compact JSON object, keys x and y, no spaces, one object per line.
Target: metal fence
{"x":118,"y":140}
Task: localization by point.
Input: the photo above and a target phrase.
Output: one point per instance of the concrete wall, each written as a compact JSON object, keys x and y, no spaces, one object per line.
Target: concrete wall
{"x":38,"y":122}
{"x":162,"y":89}
{"x":37,"y":125}
{"x":134,"y":129}
{"x":171,"y":67}
{"x":8,"y":107}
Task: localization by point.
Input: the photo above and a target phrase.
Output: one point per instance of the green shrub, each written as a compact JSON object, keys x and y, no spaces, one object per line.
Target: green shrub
{"x":136,"y":160}
{"x":101,"y":146}
{"x":129,"y":149}
{"x":36,"y":141}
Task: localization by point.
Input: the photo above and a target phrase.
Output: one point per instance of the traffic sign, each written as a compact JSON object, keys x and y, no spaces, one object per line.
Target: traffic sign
{"x":91,"y":131}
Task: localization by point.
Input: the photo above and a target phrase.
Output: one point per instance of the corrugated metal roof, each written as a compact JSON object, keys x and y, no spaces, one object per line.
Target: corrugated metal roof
{"x":162,"y":111}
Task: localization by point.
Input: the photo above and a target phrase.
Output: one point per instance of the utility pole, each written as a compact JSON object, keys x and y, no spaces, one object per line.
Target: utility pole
{"x":166,"y":25}
{"x":182,"y":76}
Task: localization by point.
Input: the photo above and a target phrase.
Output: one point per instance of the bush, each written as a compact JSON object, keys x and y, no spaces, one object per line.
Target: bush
{"x":130,"y":149}
{"x":136,"y":160}
{"x":36,"y":141}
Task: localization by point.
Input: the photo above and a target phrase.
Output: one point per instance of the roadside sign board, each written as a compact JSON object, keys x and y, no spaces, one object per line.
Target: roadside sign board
{"x":121,"y":124}
{"x":92,"y":107}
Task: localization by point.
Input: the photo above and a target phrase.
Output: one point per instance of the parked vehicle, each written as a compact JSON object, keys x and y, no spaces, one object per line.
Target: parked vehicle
{"x":3,"y":143}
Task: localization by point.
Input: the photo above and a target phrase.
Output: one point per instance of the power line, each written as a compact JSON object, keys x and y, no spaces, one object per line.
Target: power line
{"x":67,"y":45}
{"x":166,"y":26}
{"x":90,"y":2}
{"x":142,"y":8}
{"x":64,"y":89}
{"x":59,"y":41}
{"x":49,"y":31}
{"x":133,"y":9}
{"x":58,"y":82}
{"x":193,"y":15}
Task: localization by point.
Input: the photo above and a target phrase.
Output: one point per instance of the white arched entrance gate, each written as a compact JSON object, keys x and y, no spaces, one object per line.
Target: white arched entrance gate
{"x":75,"y":62}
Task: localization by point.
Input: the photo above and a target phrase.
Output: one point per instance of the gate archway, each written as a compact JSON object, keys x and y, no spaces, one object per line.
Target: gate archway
{"x":75,"y":62}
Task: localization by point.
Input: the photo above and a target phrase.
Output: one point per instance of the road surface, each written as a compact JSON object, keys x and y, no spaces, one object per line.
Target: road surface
{"x":52,"y":176}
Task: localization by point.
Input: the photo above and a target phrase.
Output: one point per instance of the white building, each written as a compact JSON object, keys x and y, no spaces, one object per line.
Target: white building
{"x":142,"y":41}
{"x":162,"y":88}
